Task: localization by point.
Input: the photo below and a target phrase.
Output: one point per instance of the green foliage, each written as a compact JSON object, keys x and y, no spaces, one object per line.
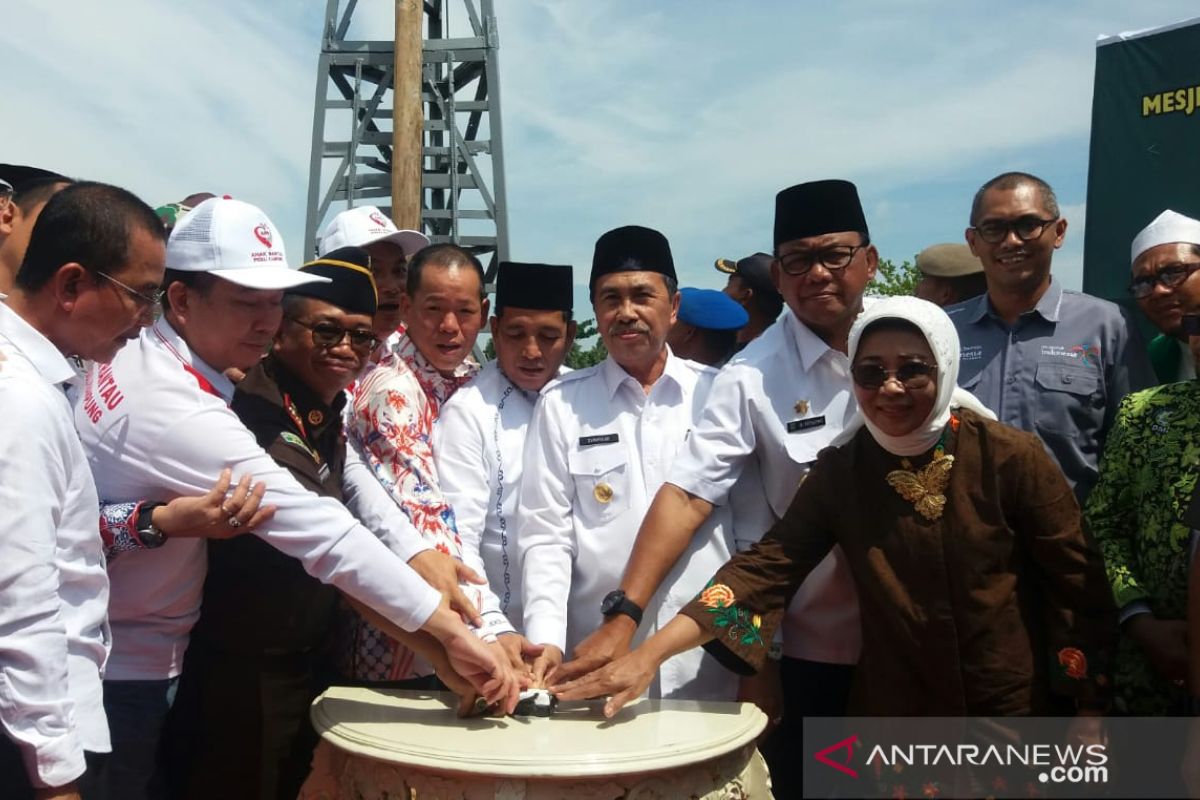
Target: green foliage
{"x":892,"y":279}
{"x":578,"y":356}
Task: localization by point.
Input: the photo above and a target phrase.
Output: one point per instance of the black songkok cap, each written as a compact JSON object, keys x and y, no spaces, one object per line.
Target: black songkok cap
{"x":351,"y":285}
{"x":817,"y":208}
{"x":544,"y":287}
{"x":20,"y":176}
{"x":631,"y":249}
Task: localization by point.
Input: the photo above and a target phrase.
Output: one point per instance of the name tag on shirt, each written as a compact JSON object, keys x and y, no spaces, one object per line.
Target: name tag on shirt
{"x":600,"y":438}
{"x":801,"y":425}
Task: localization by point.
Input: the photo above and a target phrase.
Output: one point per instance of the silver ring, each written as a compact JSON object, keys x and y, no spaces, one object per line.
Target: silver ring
{"x":234,"y":522}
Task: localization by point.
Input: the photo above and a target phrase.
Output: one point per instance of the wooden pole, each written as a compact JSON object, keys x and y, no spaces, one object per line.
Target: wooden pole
{"x":407,"y":116}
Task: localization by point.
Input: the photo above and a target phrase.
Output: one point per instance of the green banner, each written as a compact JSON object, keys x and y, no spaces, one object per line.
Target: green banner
{"x":1145,"y":149}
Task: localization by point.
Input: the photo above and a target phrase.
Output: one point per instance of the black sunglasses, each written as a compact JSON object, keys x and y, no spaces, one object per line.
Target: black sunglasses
{"x":912,"y":375}
{"x":329,"y":334}
{"x":1026,"y":228}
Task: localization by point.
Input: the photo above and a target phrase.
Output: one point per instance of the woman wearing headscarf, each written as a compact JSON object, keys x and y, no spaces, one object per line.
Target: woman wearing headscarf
{"x":981,"y":595}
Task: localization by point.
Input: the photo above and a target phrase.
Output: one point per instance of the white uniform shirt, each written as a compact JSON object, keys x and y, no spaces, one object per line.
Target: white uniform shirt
{"x":156,"y":425}
{"x":598,"y":449}
{"x":742,"y":453}
{"x":53,"y":586}
{"x":478,"y":442}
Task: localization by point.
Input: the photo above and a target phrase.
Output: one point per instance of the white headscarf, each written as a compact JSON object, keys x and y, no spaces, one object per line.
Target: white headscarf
{"x":943,"y":341}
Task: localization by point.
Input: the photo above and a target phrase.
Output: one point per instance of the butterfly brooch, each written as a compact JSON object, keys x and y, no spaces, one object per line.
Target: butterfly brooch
{"x":924,"y":488}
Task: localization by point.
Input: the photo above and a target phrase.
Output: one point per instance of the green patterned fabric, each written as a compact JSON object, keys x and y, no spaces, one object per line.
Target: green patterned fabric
{"x":1147,"y":475}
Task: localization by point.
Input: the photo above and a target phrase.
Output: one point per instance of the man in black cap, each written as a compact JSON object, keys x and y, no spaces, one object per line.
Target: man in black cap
{"x":480,"y":434}
{"x":751,"y":285}
{"x":770,"y":412}
{"x":31,"y":188}
{"x":599,"y":446}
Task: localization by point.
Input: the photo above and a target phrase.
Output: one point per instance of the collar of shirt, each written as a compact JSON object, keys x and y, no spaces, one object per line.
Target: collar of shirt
{"x":503,"y":379}
{"x":436,"y":386}
{"x":166,"y":336}
{"x":615,"y":375}
{"x":275,"y":383}
{"x":809,"y":347}
{"x":50,"y":363}
{"x":1048,"y":306}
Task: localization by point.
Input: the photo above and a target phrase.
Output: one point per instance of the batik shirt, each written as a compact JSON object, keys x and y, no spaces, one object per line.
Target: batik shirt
{"x":395,"y":406}
{"x":1147,"y":478}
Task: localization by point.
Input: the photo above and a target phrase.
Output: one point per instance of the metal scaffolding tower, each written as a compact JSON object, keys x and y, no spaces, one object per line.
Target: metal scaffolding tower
{"x":462,"y":183}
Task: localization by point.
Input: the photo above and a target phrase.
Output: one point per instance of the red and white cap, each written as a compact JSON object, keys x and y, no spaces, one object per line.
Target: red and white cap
{"x":364,"y":225}
{"x":235,"y":241}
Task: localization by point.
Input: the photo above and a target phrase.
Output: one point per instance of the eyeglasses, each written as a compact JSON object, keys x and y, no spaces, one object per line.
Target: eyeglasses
{"x":143,"y":300}
{"x":1169,"y":277}
{"x":1026,"y":228}
{"x":1190,"y":323}
{"x":329,"y":334}
{"x":831,"y":258}
{"x":913,"y":375}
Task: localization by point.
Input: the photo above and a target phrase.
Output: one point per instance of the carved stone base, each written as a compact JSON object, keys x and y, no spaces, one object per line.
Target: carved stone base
{"x":337,"y":775}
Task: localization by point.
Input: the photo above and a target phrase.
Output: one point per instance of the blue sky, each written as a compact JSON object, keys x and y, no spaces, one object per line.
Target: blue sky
{"x":685,"y":115}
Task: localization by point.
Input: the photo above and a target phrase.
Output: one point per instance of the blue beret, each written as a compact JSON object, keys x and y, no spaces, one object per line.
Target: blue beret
{"x":708,"y":308}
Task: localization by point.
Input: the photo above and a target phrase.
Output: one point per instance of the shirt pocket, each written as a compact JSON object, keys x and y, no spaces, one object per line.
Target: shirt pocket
{"x":601,"y":476}
{"x":1070,"y":401}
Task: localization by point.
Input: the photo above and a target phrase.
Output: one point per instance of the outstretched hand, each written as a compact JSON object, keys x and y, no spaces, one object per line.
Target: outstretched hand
{"x":623,"y":680}
{"x":215,"y":515}
{"x":447,"y":574}
{"x":602,"y":646}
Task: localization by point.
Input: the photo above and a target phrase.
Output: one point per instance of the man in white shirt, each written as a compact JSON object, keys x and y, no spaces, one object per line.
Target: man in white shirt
{"x":156,"y":425}
{"x":770,"y":411}
{"x":480,"y":434}
{"x":87,"y":284}
{"x":390,"y":249}
{"x":601,"y":443}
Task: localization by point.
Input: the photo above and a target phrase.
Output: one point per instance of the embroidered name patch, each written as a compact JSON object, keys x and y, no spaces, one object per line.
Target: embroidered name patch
{"x":600,"y":438}
{"x":801,"y":425}
{"x":971,"y":352}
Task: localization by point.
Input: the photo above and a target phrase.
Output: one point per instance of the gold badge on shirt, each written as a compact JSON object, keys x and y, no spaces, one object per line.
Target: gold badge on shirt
{"x":801,"y":407}
{"x":315,"y":418}
{"x":603,"y":493}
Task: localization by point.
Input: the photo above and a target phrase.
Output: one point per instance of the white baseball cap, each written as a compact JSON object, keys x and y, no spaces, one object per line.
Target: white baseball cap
{"x":235,"y":241}
{"x":364,"y":225}
{"x":1169,"y":227}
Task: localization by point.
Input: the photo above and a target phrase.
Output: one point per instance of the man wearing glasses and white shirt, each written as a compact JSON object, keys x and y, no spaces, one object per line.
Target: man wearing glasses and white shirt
{"x":92,"y":240}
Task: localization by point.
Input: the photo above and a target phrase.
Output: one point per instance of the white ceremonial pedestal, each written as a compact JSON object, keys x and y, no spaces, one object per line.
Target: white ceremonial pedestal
{"x":405,"y":744}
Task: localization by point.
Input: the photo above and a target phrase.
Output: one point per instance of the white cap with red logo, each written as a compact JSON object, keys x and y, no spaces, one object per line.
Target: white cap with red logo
{"x":364,"y":225}
{"x":235,"y":241}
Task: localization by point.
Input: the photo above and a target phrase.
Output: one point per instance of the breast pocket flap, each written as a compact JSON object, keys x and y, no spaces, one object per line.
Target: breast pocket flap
{"x":596,"y":460}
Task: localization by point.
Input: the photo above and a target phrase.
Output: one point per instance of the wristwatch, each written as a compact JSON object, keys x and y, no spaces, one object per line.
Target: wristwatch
{"x":616,"y":602}
{"x":150,"y":536}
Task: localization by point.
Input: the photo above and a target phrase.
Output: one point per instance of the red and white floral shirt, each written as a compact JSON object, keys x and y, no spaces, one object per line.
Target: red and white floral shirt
{"x":393,"y":411}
